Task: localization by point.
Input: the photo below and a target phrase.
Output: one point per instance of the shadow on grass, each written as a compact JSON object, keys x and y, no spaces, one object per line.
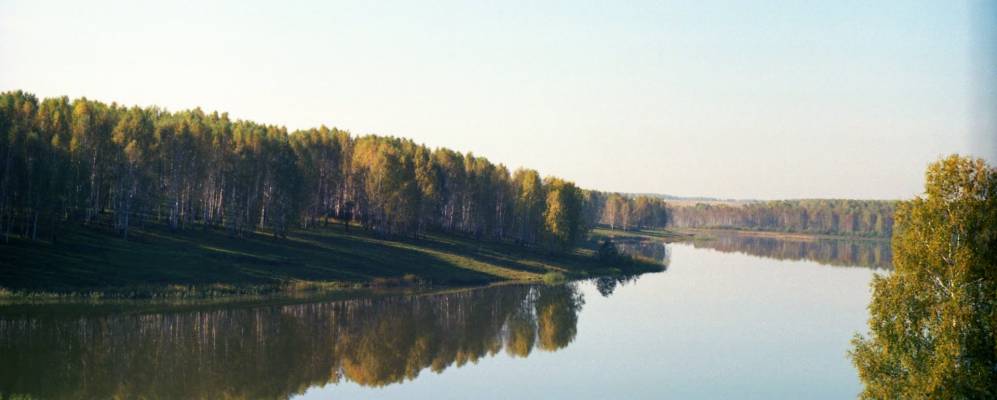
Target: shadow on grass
{"x":87,"y":259}
{"x":91,"y":260}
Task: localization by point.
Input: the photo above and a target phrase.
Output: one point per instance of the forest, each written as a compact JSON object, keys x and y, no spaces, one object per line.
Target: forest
{"x":633,"y":212}
{"x":113,"y":167}
{"x":869,"y":218}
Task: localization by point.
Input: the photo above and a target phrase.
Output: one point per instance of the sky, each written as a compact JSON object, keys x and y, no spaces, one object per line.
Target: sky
{"x":766,"y":100}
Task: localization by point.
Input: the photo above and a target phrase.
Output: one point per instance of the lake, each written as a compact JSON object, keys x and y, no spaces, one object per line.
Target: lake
{"x":729,"y":318}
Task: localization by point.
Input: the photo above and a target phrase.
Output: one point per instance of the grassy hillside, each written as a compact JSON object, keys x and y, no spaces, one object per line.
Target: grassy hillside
{"x":667,"y":235}
{"x":157,"y":262}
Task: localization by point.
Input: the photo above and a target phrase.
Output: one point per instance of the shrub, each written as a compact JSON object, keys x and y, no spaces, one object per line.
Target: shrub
{"x":553,"y":278}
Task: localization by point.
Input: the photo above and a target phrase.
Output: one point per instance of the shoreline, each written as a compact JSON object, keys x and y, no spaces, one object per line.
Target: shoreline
{"x":459,"y":263}
{"x":206,"y":264}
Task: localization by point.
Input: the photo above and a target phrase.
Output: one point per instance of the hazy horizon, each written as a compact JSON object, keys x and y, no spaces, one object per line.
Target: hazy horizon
{"x":844,"y":100}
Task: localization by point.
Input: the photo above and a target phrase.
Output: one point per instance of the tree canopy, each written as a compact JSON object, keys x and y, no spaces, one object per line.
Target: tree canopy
{"x":933,"y":319}
{"x":115,"y":167}
{"x":634,"y":212}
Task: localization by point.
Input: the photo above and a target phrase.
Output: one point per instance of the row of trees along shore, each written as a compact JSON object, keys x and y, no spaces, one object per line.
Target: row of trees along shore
{"x":872,"y":218}
{"x":117,"y":167}
{"x":633,"y":212}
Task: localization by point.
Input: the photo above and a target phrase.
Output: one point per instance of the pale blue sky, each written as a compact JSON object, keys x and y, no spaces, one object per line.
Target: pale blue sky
{"x":729,"y":99}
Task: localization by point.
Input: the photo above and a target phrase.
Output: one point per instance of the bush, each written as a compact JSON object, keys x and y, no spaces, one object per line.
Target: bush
{"x":553,"y":278}
{"x":608,"y":252}
{"x":609,"y":255}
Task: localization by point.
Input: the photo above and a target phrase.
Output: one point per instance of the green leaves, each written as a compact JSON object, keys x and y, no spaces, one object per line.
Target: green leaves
{"x":932,"y":324}
{"x":562,"y":218}
{"x":110,"y":166}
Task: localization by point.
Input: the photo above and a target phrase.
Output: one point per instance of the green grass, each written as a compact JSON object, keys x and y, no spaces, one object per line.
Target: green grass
{"x":156,"y":262}
{"x":667,"y":235}
{"x":554,"y":278}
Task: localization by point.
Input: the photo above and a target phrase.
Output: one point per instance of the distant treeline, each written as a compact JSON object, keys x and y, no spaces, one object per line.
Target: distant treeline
{"x":117,"y":167}
{"x":633,"y":212}
{"x":873,"y":218}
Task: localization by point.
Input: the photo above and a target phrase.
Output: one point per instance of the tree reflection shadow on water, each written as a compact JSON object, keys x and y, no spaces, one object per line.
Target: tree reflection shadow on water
{"x":874,"y":254}
{"x":278,"y":351}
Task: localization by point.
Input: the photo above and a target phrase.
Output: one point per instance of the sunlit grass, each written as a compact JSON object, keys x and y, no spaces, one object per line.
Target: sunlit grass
{"x":156,"y":263}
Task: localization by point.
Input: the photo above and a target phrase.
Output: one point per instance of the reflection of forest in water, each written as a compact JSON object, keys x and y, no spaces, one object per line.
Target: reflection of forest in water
{"x":837,"y":252}
{"x":278,"y":351}
{"x":652,"y":250}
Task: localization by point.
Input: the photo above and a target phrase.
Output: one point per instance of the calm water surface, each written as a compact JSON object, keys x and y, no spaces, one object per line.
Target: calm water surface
{"x":719,"y":323}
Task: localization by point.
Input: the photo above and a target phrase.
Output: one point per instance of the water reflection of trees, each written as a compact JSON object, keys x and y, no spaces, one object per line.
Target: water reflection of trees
{"x":863,"y":253}
{"x":606,"y":285}
{"x":652,"y":250}
{"x":648,"y":250}
{"x":278,"y":351}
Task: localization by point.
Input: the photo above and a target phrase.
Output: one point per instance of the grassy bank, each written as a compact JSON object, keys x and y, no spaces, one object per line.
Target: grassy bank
{"x":643,"y":234}
{"x":155,"y":262}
